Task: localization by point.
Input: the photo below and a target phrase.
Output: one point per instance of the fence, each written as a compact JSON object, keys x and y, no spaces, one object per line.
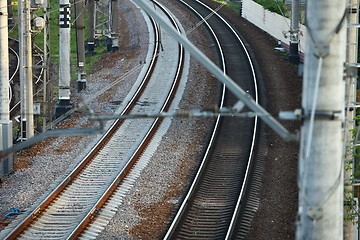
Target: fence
{"x":272,"y":23}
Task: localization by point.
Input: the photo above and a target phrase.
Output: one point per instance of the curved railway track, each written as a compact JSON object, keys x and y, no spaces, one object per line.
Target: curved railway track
{"x":14,"y":65}
{"x":214,"y":205}
{"x":14,"y":68}
{"x":14,"y":77}
{"x":91,"y":192}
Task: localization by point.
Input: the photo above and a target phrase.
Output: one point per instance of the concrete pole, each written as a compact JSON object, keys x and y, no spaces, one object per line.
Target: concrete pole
{"x":321,"y":147}
{"x":80,"y":27}
{"x":64,"y":104}
{"x":294,"y":56}
{"x":91,"y":27}
{"x":6,"y":164}
{"x":4,"y":63}
{"x":114,"y":25}
{"x":351,"y":59}
{"x":26,"y":81}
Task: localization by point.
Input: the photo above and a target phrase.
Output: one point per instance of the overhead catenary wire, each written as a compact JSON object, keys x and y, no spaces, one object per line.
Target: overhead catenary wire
{"x":53,"y":11}
{"x":239,"y":92}
{"x":204,"y":19}
{"x":313,"y":108}
{"x":83,"y":103}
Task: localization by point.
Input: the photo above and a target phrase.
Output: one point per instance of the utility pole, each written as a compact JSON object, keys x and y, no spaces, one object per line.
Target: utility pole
{"x":64,"y":104}
{"x":114,"y":23}
{"x":6,"y":164}
{"x":80,"y":43}
{"x":46,"y":63}
{"x":4,"y":62}
{"x":294,"y":56}
{"x":26,"y":81}
{"x":91,"y":27}
{"x":321,"y":147}
{"x":10,"y":13}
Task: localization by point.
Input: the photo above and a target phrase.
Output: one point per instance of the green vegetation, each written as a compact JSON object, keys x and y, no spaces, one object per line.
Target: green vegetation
{"x":352,"y":165}
{"x":53,"y":41}
{"x":277,"y":6}
{"x":53,"y":49}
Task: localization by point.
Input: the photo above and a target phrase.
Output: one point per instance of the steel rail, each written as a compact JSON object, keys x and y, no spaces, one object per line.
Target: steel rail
{"x":198,"y":178}
{"x":41,"y":60}
{"x":17,"y":65}
{"x":38,"y":77}
{"x":36,"y":213}
{"x":239,"y":92}
{"x":256,"y":98}
{"x":95,"y":211}
{"x":15,"y":71}
{"x":65,"y":184}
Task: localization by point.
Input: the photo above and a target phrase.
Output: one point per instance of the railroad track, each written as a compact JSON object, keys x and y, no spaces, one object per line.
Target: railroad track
{"x":82,"y":204}
{"x":14,"y":65}
{"x":214,"y":207}
{"x":14,"y":70}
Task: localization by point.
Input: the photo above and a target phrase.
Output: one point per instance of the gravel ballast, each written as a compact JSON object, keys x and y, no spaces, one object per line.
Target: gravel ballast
{"x":145,"y":211}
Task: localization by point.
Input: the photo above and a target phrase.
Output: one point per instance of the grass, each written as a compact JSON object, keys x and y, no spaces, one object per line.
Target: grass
{"x":53,"y":41}
{"x":53,"y":49}
{"x":271,"y":5}
{"x":277,"y":6}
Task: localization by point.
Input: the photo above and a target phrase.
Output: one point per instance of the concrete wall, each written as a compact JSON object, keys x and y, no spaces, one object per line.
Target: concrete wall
{"x":272,"y":23}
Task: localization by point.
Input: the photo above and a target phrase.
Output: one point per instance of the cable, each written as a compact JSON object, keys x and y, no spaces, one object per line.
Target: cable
{"x":313,"y":108}
{"x":207,"y":17}
{"x":282,"y":13}
{"x":77,"y":17}
{"x":83,"y":103}
{"x":311,"y":125}
{"x":13,"y":212}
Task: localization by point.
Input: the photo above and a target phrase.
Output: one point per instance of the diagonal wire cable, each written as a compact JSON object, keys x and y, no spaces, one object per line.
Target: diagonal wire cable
{"x":207,"y":17}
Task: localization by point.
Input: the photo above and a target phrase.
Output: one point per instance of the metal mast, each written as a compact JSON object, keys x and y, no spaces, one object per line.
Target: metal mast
{"x":114,"y":25}
{"x":321,"y":147}
{"x":46,"y":63}
{"x":6,"y":164}
{"x":26,"y":81}
{"x":294,"y":56}
{"x":80,"y":27}
{"x":91,"y":27}
{"x":4,"y":63}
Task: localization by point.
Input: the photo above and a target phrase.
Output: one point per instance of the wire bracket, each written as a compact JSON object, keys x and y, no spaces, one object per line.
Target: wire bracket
{"x":299,"y":114}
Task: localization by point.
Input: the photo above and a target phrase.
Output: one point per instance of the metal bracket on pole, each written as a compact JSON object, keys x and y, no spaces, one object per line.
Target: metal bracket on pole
{"x":351,"y":70}
{"x":210,"y":66}
{"x":299,"y":114}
